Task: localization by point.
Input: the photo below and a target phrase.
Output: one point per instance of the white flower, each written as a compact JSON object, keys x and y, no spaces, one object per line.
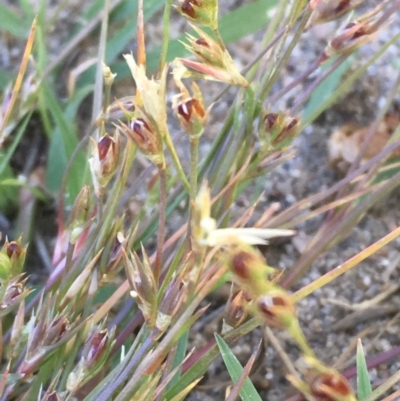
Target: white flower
{"x":206,"y":233}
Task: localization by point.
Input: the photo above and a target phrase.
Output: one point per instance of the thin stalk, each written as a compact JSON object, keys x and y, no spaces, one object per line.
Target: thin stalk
{"x":79,"y":340}
{"x":142,"y":352}
{"x":135,"y":322}
{"x":266,"y":86}
{"x":98,"y":88}
{"x":218,"y":36}
{"x":169,"y":337}
{"x":256,"y":60}
{"x":161,"y":221}
{"x":384,"y":387}
{"x":19,"y":80}
{"x":166,"y":23}
{"x":372,"y":131}
{"x":393,"y":397}
{"x":228,"y":155}
{"x":78,"y":38}
{"x":176,"y":161}
{"x":297,"y":81}
{"x":330,"y":236}
{"x":347,"y":83}
{"x":194,"y":161}
{"x":343,"y":268}
{"x":304,"y":97}
{"x":284,"y":219}
{"x":141,"y":45}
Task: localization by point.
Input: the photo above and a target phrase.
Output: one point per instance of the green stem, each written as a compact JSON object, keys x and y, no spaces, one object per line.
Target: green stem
{"x":166,"y":22}
{"x":219,"y":38}
{"x":194,"y":161}
{"x":161,"y":220}
{"x":176,"y":161}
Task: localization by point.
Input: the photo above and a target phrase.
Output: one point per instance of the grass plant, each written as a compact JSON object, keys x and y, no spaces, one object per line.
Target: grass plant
{"x":124,"y":290}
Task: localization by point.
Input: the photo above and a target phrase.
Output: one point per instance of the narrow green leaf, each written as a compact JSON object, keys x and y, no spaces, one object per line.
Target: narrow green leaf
{"x":126,"y":9}
{"x":5,"y":78}
{"x":195,"y":372}
{"x":326,"y":88}
{"x":364,"y":388}
{"x":12,"y":22}
{"x":63,"y":142}
{"x":179,"y":357}
{"x":235,"y":369}
{"x":119,"y":40}
{"x":8,"y":193}
{"x":94,"y":8}
{"x":346,"y":83}
{"x":28,"y":9}
{"x":254,"y":13}
{"x":5,"y":158}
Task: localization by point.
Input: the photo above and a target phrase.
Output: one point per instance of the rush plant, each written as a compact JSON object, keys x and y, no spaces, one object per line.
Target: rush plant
{"x":125,"y":289}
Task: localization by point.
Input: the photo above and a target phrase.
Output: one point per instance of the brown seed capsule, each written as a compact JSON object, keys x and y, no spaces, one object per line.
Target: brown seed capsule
{"x":188,"y":9}
{"x":235,"y":312}
{"x":14,"y":248}
{"x":56,"y":330}
{"x":330,"y":386}
{"x":270,"y":120}
{"x":189,"y":107}
{"x":241,"y":264}
{"x":138,"y":126}
{"x":95,"y":346}
{"x":12,"y":292}
{"x":276,"y":308}
{"x":104,"y":145}
{"x":202,"y":42}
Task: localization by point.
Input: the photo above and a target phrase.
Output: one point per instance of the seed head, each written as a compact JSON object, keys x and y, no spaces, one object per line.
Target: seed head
{"x":214,"y":62}
{"x":189,"y":109}
{"x":143,"y":284}
{"x":235,"y":311}
{"x":12,"y":258}
{"x":249,"y":269}
{"x":276,"y":308}
{"x":104,"y":161}
{"x":328,"y":10}
{"x":278,"y":129}
{"x":322,"y":383}
{"x":202,"y":12}
{"x":354,"y":35}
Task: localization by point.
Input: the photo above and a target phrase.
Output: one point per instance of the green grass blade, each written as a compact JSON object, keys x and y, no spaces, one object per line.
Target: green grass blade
{"x":5,"y":159}
{"x":235,"y":369}
{"x":13,"y":23}
{"x":364,"y":388}
{"x":232,"y":27}
{"x":8,"y":193}
{"x":63,"y":141}
{"x":179,"y":357}
{"x":5,"y":78}
{"x":327,"y":87}
{"x":346,"y":83}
